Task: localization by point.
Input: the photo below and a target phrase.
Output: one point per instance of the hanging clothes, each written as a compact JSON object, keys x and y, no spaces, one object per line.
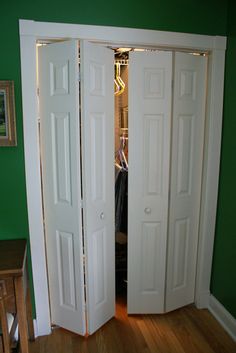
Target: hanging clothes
{"x":121,"y":225}
{"x":121,"y":202}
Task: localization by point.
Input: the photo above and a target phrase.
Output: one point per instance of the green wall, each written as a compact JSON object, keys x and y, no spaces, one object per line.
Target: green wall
{"x":223,"y":284}
{"x":193,"y":16}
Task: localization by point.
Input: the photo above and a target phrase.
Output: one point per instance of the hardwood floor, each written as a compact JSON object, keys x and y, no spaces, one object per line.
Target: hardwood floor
{"x":186,"y":330}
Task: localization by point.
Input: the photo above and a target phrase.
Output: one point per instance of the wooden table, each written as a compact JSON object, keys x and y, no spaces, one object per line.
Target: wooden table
{"x":14,"y":289}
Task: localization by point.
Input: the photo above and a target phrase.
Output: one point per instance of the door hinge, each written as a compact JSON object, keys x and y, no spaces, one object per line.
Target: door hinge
{"x":82,"y":203}
{"x":78,"y":77}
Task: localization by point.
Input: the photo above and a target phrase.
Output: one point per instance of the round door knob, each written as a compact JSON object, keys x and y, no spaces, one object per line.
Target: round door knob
{"x":147,"y":210}
{"x":102,"y":215}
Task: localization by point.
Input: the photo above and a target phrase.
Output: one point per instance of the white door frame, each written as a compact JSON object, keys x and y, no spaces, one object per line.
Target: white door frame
{"x":30,"y":32}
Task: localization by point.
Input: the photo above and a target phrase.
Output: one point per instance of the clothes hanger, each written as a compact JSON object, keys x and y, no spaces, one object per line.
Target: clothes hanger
{"x":118,"y":165}
{"x":117,"y":87}
{"x":121,"y":152}
{"x":118,"y":81}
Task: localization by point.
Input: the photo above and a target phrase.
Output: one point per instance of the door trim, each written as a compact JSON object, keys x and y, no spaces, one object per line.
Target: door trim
{"x":30,"y":32}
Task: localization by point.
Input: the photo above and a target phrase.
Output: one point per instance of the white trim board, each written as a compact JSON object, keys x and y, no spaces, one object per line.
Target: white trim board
{"x":223,"y":316}
{"x":120,"y":35}
{"x":30,"y":33}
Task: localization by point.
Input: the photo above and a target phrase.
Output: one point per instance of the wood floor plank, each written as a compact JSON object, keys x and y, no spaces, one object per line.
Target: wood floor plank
{"x":187,"y":333}
{"x":159,"y":341}
{"x":217,"y":338}
{"x":187,"y":330}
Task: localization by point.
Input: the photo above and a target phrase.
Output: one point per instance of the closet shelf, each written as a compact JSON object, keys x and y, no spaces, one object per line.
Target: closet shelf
{"x":121,"y":61}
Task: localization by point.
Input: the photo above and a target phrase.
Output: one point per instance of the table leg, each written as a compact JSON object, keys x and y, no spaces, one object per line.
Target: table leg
{"x":4,"y":326}
{"x":21,"y":314}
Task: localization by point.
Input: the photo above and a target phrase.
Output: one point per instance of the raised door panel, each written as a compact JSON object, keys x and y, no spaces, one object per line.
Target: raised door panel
{"x":186,"y":172}
{"x":150,"y":253}
{"x":181,"y":243}
{"x":185,"y":154}
{"x":66,"y":269}
{"x":61,"y":157}
{"x":60,"y":149}
{"x":153,"y":150}
{"x":150,"y":75}
{"x":98,"y":156}
{"x":99,"y":262}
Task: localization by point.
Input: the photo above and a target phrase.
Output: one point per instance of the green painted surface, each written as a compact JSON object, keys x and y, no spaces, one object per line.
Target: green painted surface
{"x":192,"y":16}
{"x":223,"y":284}
{"x":198,"y":16}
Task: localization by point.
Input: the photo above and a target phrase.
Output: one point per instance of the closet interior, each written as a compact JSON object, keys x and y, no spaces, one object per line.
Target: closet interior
{"x":121,"y":169}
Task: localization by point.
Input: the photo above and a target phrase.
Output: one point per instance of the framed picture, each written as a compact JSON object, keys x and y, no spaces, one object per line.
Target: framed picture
{"x":7,"y":114}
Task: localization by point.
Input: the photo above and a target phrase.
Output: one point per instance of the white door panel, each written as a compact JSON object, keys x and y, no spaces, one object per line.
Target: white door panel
{"x":150,"y":75}
{"x":60,"y":148}
{"x":97,"y":103}
{"x":186,"y":171}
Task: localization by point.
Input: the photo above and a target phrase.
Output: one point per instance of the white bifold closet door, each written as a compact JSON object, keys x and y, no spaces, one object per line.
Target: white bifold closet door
{"x":97,"y":104}
{"x":186,"y":171}
{"x":166,"y":134}
{"x":166,"y":137}
{"x":60,"y":148}
{"x":150,"y":77}
{"x":61,"y":130}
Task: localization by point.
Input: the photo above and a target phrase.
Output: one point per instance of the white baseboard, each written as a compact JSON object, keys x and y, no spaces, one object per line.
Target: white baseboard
{"x":223,"y":316}
{"x":35,"y":328}
{"x":202,"y":300}
{"x":41,"y":331}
